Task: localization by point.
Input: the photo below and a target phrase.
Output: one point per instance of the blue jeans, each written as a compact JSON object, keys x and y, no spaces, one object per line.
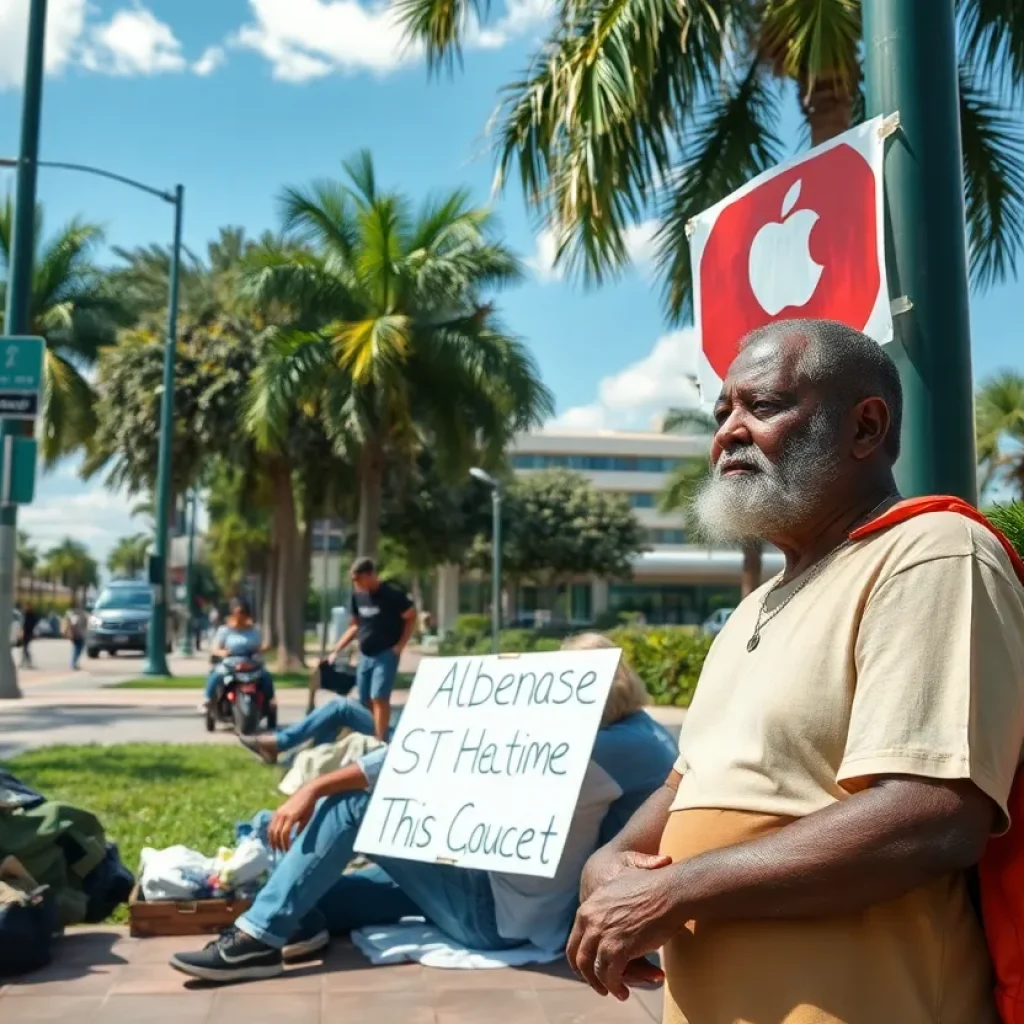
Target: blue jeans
{"x":308,"y":889}
{"x":375,"y":676}
{"x":266,"y":683}
{"x":77,"y":646}
{"x":323,"y":724}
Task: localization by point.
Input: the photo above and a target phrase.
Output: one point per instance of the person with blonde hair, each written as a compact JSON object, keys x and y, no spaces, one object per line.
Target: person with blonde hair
{"x":308,"y":899}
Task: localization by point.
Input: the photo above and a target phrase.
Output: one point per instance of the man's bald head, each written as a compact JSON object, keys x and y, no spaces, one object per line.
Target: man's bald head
{"x":845,"y":366}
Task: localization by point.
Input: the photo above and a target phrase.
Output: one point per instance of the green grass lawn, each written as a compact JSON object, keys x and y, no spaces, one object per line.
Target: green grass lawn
{"x":155,"y":794}
{"x":289,"y":680}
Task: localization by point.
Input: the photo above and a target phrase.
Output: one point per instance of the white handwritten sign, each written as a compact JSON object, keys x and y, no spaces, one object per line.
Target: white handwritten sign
{"x":487,"y":761}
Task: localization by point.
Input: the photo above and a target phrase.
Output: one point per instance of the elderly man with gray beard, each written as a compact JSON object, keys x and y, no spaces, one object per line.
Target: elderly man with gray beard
{"x":853,"y":739}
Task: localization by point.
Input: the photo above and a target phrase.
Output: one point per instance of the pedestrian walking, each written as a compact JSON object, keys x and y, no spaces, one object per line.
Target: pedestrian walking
{"x":29,"y":621}
{"x":75,"y":624}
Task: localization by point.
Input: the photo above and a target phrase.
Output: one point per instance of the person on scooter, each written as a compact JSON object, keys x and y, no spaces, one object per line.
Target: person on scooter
{"x":238,"y":630}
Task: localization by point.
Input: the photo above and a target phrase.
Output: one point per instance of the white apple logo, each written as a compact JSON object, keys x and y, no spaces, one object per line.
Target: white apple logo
{"x":781,"y":270}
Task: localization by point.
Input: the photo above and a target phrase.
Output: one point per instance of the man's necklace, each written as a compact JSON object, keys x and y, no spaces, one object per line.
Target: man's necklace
{"x":764,"y":616}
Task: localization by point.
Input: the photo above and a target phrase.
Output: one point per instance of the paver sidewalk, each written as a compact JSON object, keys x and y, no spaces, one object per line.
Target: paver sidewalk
{"x":100,"y":976}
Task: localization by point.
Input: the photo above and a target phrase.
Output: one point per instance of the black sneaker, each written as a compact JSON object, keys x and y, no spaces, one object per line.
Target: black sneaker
{"x":232,"y":957}
{"x":306,"y":942}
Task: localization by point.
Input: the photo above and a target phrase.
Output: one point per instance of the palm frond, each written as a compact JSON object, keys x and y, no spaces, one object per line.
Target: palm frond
{"x":678,"y":420}
{"x":992,"y":35}
{"x":733,"y":140}
{"x":69,"y":416}
{"x":601,"y":115}
{"x":993,"y":153}
{"x":372,"y":350}
{"x":682,"y":485}
{"x":439,"y":26}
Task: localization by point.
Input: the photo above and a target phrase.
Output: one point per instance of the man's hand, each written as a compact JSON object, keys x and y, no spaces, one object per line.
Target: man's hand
{"x":619,"y":924}
{"x":292,"y":816}
{"x":607,"y":864}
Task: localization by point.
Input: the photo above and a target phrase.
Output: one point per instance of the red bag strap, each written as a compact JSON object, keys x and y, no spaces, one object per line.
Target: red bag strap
{"x":911,"y":507}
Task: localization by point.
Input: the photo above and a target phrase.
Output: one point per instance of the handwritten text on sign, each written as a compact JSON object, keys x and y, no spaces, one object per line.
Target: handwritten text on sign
{"x":487,"y":761}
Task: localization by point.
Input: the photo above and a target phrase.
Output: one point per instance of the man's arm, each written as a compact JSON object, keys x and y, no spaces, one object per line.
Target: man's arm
{"x":408,"y":625}
{"x":294,"y":814}
{"x":346,"y":638}
{"x":879,"y":844}
{"x":636,"y":846}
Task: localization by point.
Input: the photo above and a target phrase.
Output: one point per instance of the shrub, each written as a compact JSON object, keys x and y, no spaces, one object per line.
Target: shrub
{"x":473,"y":624}
{"x":513,"y":641}
{"x":668,"y":659}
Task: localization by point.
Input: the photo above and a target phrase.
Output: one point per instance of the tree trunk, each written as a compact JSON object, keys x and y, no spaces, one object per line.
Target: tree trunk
{"x":268,"y":581}
{"x":750,"y":579}
{"x":828,"y":109}
{"x":286,"y":531}
{"x":371,"y":485}
{"x":302,"y":583}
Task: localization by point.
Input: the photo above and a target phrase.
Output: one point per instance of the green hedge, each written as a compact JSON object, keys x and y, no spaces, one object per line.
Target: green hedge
{"x":668,"y":658}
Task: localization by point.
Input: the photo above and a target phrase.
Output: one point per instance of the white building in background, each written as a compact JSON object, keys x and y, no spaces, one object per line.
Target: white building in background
{"x":676,"y":581}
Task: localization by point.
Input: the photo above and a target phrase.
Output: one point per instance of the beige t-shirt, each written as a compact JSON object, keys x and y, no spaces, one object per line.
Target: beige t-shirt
{"x":904,"y":656}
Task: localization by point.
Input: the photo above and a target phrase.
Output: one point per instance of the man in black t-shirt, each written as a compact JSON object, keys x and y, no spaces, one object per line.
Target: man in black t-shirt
{"x":383,"y":617}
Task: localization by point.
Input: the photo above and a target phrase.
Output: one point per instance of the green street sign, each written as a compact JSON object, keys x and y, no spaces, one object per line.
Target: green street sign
{"x":18,"y":470}
{"x":21,"y":376}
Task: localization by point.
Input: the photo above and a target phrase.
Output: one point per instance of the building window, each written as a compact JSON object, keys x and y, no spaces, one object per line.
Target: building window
{"x":671,"y":604}
{"x":595,"y":463}
{"x":581,"y":607}
{"x":641,"y":499}
{"x":666,"y":536}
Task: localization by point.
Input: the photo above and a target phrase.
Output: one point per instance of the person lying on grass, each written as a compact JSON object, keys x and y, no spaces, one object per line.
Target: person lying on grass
{"x":308,"y":899}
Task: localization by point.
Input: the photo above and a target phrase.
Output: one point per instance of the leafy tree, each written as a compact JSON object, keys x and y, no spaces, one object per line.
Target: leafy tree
{"x":128,"y":556}
{"x":664,"y":106}
{"x":999,"y":425}
{"x":557,"y":525}
{"x":77,"y":313}
{"x":391,"y":340}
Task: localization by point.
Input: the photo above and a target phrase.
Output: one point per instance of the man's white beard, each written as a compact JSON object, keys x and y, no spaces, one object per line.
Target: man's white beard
{"x":767,"y":504}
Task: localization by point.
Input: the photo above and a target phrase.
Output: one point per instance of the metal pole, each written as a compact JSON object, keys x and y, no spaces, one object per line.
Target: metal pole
{"x":910,"y":66}
{"x":186,"y":643}
{"x":156,"y":663}
{"x":496,"y":570}
{"x":19,"y":304}
{"x":323,"y":588}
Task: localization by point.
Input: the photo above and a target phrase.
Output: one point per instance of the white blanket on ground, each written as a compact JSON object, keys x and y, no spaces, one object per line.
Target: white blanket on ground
{"x":328,"y":757}
{"x":416,"y":941}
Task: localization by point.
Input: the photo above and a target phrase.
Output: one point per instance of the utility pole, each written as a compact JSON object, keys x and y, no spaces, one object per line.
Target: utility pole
{"x":910,"y":66}
{"x":19,"y":306}
{"x":156,"y":643}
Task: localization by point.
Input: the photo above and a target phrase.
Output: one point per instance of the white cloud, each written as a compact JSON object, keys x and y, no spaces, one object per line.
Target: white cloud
{"x":307,"y":39}
{"x":637,"y":396}
{"x":542,"y":262}
{"x":639,"y":239}
{"x":212,"y":58}
{"x":90,"y":514}
{"x":133,"y":42}
{"x":65,"y":23}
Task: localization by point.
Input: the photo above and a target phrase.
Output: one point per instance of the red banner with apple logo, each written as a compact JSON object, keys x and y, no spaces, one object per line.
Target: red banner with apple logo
{"x":803,"y":240}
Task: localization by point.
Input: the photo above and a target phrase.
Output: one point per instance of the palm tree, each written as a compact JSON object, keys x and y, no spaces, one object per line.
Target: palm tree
{"x":686,"y":480}
{"x":1010,"y":520}
{"x":999,"y":427}
{"x":660,"y":106}
{"x":128,"y":556}
{"x":392,"y":344}
{"x":71,"y":563}
{"x":77,"y":314}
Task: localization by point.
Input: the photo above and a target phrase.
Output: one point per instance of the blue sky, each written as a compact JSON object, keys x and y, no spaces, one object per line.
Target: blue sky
{"x":236,"y":98}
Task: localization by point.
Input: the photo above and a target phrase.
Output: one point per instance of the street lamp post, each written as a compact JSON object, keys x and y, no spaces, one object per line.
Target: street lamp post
{"x":19,"y":304}
{"x":495,"y":485}
{"x":156,"y":661}
{"x":910,"y":66}
{"x":186,"y":642}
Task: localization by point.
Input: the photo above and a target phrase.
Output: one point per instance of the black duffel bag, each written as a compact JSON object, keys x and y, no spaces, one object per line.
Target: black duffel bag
{"x":28,"y":923}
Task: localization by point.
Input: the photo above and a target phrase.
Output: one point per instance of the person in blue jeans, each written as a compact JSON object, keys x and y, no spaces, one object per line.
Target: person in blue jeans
{"x":322,"y":725}
{"x":308,"y":898}
{"x":383,"y":618}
